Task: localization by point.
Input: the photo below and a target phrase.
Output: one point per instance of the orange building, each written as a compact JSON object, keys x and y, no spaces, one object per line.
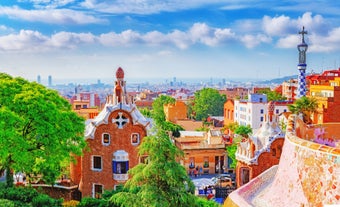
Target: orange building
{"x":261,"y":151}
{"x":204,"y":150}
{"x":228,"y":112}
{"x":83,"y":109}
{"x":176,"y":111}
{"x":112,"y":140}
{"x":328,"y":97}
{"x":237,"y":92}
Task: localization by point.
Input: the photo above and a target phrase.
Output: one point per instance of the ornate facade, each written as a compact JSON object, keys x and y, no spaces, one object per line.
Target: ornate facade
{"x":112,"y":140}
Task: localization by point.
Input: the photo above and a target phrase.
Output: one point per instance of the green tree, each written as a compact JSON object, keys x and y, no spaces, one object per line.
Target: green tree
{"x":272,"y":95}
{"x":231,"y":150}
{"x":158,"y":115}
{"x":208,"y":101}
{"x":38,"y":129}
{"x":244,"y":131}
{"x":161,"y":181}
{"x":305,"y":106}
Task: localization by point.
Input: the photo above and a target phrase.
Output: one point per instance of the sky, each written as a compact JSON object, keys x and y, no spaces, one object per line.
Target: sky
{"x":162,"y":39}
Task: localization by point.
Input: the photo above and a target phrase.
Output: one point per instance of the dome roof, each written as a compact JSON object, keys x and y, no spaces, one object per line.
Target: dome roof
{"x":120,"y":73}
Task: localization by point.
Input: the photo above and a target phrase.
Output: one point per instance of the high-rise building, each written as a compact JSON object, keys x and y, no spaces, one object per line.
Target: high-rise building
{"x":49,"y":80}
{"x":38,"y":79}
{"x":302,"y":65}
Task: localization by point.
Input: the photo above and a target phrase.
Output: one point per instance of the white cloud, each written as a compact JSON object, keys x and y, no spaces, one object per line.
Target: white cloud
{"x":25,"y":40}
{"x":51,"y":16}
{"x":277,"y":26}
{"x":48,"y":3}
{"x":289,"y":41}
{"x":252,"y":41}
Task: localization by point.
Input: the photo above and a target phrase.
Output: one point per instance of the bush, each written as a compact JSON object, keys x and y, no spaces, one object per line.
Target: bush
{"x":20,"y":194}
{"x":43,"y":200}
{"x":7,"y":203}
{"x":93,"y":202}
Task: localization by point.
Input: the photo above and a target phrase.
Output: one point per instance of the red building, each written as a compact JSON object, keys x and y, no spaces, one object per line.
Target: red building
{"x":112,"y":140}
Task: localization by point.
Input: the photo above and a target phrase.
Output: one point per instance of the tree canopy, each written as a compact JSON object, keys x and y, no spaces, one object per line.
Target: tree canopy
{"x":38,"y":129}
{"x":161,"y":181}
{"x":243,"y":130}
{"x":304,"y":105}
{"x":272,"y":95}
{"x":158,"y":115}
{"x":208,"y":101}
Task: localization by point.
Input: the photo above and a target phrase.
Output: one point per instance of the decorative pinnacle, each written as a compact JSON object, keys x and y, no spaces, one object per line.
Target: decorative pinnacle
{"x":303,"y":32}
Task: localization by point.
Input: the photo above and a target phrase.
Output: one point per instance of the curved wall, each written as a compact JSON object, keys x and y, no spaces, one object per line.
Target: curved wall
{"x":308,"y":175}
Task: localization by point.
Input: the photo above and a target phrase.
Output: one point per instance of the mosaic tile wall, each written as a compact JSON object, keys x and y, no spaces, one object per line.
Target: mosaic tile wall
{"x":308,"y":175}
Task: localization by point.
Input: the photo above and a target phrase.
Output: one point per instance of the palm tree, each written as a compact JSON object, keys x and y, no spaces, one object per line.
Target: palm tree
{"x":305,"y":106}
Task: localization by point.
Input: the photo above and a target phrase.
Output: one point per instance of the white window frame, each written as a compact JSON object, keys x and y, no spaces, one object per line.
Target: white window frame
{"x":106,"y":144}
{"x":93,"y":189}
{"x":101,"y":163}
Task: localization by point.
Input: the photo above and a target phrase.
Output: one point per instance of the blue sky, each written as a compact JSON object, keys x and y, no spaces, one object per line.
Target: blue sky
{"x":162,"y":39}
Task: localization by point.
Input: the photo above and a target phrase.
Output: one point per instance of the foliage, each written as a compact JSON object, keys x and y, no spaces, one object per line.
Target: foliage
{"x":158,"y":108}
{"x":7,"y":203}
{"x":305,"y":106}
{"x":208,"y":101}
{"x":243,"y":131}
{"x":43,"y":200}
{"x":231,"y":150}
{"x":158,"y":115}
{"x":38,"y":129}
{"x":231,"y":126}
{"x":93,"y":202}
{"x":27,"y":197}
{"x":272,"y":95}
{"x":160,"y":182}
{"x":146,"y":112}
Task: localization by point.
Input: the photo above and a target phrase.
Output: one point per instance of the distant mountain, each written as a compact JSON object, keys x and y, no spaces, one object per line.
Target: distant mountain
{"x":278,"y":80}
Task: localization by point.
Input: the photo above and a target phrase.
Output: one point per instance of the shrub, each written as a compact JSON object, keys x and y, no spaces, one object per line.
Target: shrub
{"x":93,"y":202}
{"x":7,"y":203}
{"x":43,"y":200}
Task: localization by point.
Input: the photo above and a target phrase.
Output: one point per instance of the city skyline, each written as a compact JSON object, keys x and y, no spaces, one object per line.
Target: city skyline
{"x":159,"y":40}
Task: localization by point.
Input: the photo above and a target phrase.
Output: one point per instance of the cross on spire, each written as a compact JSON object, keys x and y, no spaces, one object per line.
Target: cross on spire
{"x":303,"y":32}
{"x":120,"y":120}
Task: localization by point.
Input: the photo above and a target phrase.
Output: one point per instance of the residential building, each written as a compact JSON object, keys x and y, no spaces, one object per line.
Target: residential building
{"x":252,"y":112}
{"x":204,"y":150}
{"x":328,"y":97}
{"x":176,"y":111}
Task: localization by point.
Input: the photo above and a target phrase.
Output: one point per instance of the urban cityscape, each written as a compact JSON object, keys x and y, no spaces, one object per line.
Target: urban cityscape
{"x":84,"y":135}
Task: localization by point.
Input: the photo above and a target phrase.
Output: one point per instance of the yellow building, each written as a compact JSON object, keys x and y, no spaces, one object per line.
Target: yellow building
{"x":328,"y":97}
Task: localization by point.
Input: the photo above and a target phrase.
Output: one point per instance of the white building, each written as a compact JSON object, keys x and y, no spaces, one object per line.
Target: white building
{"x":254,"y":111}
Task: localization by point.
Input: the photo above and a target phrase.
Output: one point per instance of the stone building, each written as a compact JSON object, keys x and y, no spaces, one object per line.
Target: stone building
{"x":112,"y":140}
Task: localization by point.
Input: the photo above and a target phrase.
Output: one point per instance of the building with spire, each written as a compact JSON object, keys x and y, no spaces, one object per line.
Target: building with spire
{"x":302,"y":47}
{"x":112,"y":140}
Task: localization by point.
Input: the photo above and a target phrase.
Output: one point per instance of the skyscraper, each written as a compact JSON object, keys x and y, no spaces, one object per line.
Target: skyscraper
{"x":38,"y":79}
{"x":49,"y":81}
{"x":302,"y":65}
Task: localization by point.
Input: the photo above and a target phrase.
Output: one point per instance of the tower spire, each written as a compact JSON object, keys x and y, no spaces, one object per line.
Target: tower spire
{"x":302,"y":48}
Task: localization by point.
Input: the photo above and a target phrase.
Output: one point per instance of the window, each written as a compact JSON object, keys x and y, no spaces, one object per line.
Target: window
{"x":206,"y":162}
{"x":97,"y":163}
{"x":261,"y":111}
{"x":84,"y":106}
{"x":134,"y":138}
{"x":144,"y":159}
{"x":261,"y":119}
{"x":273,"y":152}
{"x":277,"y":111}
{"x":284,"y":110}
{"x":120,"y":167}
{"x":97,"y":190}
{"x":192,"y":162}
{"x":106,"y":139}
